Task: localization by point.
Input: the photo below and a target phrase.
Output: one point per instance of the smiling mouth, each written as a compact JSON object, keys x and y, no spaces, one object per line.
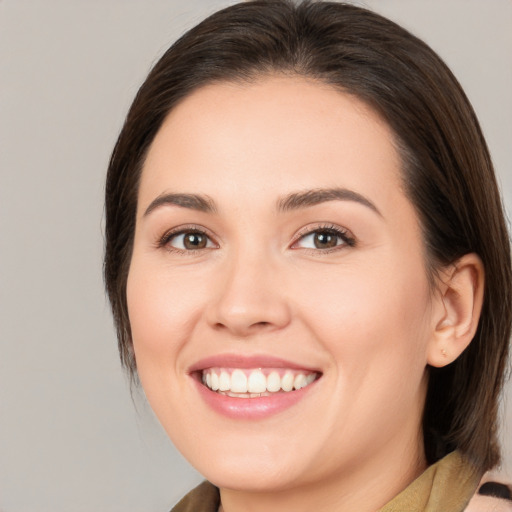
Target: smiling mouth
{"x":257,"y":382}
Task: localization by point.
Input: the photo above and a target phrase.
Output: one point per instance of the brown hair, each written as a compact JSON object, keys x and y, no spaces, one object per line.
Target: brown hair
{"x":447,"y":171}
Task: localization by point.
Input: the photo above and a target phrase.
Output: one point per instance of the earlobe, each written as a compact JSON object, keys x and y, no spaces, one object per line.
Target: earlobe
{"x":458,"y":306}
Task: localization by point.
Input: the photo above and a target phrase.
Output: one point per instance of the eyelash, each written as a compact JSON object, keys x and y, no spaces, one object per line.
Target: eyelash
{"x":331,"y":229}
{"x":347,"y":239}
{"x":165,"y":239}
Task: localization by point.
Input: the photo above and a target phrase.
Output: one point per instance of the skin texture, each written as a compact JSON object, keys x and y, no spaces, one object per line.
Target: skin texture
{"x":363,"y":315}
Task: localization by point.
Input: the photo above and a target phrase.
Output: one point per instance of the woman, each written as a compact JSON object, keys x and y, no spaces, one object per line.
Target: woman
{"x":308,"y":263}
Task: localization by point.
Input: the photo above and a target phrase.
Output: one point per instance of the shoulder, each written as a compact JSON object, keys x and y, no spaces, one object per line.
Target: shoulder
{"x":204,"y":498}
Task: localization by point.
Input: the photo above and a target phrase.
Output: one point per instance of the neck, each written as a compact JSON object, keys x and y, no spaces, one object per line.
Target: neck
{"x":357,"y":488}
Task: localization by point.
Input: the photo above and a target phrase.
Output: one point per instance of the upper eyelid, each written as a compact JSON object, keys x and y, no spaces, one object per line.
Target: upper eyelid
{"x":307,"y":230}
{"x":186,"y":228}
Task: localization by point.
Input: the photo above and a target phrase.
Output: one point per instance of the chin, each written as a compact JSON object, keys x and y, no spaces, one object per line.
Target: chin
{"x":248,"y":462}
{"x":246,"y":474}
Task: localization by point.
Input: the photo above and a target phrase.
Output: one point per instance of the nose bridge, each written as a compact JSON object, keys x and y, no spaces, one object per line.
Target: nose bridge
{"x":249,"y":298}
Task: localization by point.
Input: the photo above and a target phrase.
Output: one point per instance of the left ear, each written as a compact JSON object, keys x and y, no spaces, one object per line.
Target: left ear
{"x":457,"y":308}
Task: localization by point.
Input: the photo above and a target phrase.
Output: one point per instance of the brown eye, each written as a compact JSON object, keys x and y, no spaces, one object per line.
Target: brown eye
{"x":325,"y":240}
{"x":194,"y":240}
{"x":189,"y":241}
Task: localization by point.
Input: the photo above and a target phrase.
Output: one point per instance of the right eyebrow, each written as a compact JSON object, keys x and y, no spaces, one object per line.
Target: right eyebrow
{"x":306,"y":198}
{"x":192,"y":201}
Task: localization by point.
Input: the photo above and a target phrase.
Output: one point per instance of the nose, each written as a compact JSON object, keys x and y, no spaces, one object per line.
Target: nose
{"x":251,"y":297}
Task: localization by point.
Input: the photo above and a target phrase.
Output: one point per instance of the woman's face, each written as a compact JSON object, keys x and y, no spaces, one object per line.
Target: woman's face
{"x":274,"y":248}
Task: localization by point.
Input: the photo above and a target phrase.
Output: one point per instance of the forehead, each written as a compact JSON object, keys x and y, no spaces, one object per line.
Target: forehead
{"x":288,"y":131}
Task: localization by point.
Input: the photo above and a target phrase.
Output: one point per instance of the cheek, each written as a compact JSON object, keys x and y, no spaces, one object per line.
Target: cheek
{"x":162,"y":312}
{"x":369,"y":317}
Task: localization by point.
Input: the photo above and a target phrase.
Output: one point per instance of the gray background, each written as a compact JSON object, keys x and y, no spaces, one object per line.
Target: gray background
{"x":71,"y":439}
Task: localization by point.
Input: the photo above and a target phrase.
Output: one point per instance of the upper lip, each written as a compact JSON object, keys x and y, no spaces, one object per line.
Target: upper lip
{"x":247,"y":362}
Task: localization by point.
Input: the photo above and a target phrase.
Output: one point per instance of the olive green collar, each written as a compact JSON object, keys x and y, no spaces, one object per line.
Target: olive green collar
{"x":447,"y":485}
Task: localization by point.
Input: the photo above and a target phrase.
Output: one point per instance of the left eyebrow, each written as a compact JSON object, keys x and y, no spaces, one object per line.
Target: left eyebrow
{"x":190,"y":201}
{"x":313,"y":197}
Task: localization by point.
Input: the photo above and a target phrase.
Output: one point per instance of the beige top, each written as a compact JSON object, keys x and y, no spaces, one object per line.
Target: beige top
{"x":446,"y":486}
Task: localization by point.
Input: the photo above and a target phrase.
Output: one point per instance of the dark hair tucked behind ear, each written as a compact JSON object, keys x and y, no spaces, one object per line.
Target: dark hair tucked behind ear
{"x":447,"y":171}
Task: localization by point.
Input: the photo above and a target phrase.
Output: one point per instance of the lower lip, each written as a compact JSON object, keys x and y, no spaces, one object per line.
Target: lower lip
{"x":251,"y":408}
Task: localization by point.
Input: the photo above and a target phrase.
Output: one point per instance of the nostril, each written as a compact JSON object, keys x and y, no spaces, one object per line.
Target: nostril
{"x":496,"y":490}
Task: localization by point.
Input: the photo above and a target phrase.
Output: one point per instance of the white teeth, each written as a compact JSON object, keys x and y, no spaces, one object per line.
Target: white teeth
{"x":287,"y":382}
{"x":238,"y":382}
{"x":224,"y":381}
{"x":215,"y":382}
{"x":310,"y":378}
{"x":299,"y":381}
{"x":274,"y":382}
{"x":255,"y":383}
